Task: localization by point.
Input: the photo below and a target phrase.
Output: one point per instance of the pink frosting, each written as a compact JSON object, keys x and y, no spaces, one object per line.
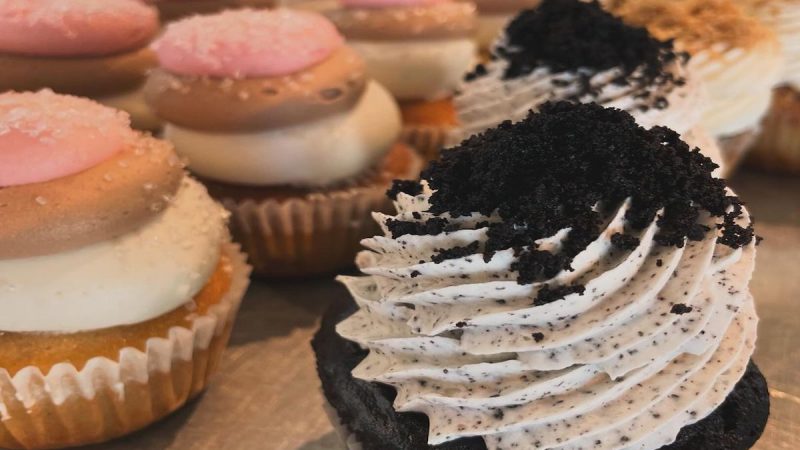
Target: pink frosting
{"x":75,"y":27}
{"x":44,"y":136}
{"x":247,"y":43}
{"x":388,"y":3}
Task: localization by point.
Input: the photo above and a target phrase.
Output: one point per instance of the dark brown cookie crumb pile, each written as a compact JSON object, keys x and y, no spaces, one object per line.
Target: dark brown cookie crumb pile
{"x":581,"y":38}
{"x":547,"y":173}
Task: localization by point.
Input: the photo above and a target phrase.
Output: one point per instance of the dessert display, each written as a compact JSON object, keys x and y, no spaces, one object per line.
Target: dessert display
{"x":569,"y":281}
{"x":778,"y":145}
{"x":419,"y":50}
{"x":91,"y":48}
{"x":576,"y":51}
{"x":119,"y":282}
{"x":280,"y":120}
{"x":738,"y":59}
{"x":494,"y":15}
{"x":177,"y":9}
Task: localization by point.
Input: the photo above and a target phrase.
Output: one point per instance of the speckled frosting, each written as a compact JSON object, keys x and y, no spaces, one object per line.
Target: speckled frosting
{"x":542,"y":291}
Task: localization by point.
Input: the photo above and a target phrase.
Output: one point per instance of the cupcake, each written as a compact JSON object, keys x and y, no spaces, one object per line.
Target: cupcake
{"x":177,"y":9}
{"x":419,"y":50}
{"x":119,"y":283}
{"x":494,"y":15}
{"x":92,"y":48}
{"x":737,"y":57}
{"x":570,"y":281}
{"x":279,"y":119}
{"x":575,"y":51}
{"x":778,"y":146}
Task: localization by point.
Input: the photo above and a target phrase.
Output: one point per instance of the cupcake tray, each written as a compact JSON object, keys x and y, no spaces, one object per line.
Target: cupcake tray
{"x":267,"y":394}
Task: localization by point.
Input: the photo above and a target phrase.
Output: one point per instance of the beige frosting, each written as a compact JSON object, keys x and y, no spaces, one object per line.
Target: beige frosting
{"x":696,"y":25}
{"x":504,"y":6}
{"x":436,"y":21}
{"x":217,"y":104}
{"x":101,"y":203}
{"x":86,"y":76}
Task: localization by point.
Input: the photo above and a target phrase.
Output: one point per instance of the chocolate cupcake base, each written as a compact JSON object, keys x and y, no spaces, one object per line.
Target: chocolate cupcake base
{"x":364,"y":414}
{"x":778,"y":146}
{"x":734,"y":148}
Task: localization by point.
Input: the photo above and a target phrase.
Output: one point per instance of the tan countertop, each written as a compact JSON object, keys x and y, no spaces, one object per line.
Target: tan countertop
{"x":267,"y":394}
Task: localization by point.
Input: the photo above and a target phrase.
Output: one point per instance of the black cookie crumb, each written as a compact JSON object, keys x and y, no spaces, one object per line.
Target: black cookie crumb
{"x":538,"y":337}
{"x":432,"y":226}
{"x":410,"y":187}
{"x":680,"y":308}
{"x":455,"y":252}
{"x":549,"y":294}
{"x":624,"y":241}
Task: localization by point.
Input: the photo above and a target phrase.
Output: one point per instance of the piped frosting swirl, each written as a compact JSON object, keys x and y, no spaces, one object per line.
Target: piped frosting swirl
{"x":570,"y":281}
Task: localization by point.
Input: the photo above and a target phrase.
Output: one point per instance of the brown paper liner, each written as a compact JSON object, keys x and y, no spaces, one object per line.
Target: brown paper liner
{"x":778,"y":146}
{"x":734,"y":148}
{"x":107,"y":399}
{"x":312,"y":234}
{"x":427,"y":140}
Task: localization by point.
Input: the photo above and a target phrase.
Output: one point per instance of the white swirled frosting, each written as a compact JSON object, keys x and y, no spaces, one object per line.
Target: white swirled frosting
{"x":656,"y":341}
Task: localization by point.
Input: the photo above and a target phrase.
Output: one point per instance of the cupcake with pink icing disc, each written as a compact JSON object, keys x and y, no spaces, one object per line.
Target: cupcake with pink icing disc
{"x":419,"y":50}
{"x":119,"y":282}
{"x":279,"y":118}
{"x":91,"y":48}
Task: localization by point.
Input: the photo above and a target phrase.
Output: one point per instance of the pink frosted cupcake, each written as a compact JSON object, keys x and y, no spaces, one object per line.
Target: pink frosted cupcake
{"x":278,"y":117}
{"x":119,"y":282}
{"x":92,"y":48}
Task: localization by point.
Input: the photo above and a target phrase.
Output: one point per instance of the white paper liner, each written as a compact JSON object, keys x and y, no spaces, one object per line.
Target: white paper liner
{"x":107,"y":399}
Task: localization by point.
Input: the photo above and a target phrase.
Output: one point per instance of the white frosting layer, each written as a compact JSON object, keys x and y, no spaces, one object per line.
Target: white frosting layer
{"x":739,"y":84}
{"x":783,"y":17}
{"x":132,"y":102}
{"x":489,"y":28}
{"x":418,"y":70}
{"x":613,"y":368}
{"x":316,"y":153}
{"x":131,"y":279}
{"x":488,"y":100}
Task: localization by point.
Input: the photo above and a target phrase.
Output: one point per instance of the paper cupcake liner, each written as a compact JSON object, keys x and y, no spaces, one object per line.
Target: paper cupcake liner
{"x":316,"y":234}
{"x":427,"y":140}
{"x":107,"y":399}
{"x":734,"y":148}
{"x":778,"y":146}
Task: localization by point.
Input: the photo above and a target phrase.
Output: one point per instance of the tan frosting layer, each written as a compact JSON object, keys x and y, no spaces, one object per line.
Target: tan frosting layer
{"x":172,"y":10}
{"x":436,"y":21}
{"x":216,"y":104}
{"x":696,"y":25}
{"x":504,"y":6}
{"x":95,"y":205}
{"x":85,"y":76}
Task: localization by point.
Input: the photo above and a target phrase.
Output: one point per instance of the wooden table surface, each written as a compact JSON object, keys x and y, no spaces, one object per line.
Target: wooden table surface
{"x":267,"y":394}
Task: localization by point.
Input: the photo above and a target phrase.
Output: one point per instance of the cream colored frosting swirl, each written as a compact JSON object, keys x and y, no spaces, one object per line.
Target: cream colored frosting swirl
{"x":783,"y":17}
{"x":656,"y":342}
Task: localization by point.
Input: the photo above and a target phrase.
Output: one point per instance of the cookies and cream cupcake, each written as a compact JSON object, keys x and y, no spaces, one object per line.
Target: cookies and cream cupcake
{"x":281,"y":121}
{"x":778,"y":145}
{"x":119,"y":282}
{"x":494,"y":15}
{"x":92,"y":48}
{"x":570,"y":281}
{"x":738,"y":59}
{"x":576,"y":51}
{"x":419,"y":50}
